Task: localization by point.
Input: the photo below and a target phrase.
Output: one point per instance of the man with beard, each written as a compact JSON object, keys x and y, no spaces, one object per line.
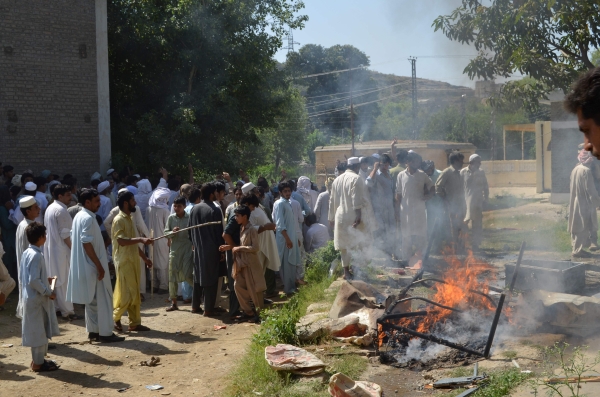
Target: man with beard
{"x":125,"y":256}
{"x":207,"y":258}
{"x":476,"y":193}
{"x":89,"y":283}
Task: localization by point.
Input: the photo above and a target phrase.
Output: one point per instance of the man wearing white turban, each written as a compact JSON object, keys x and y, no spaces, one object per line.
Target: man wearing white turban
{"x":142,"y":198}
{"x":30,"y":211}
{"x":105,"y":203}
{"x":57,"y":250}
{"x":476,"y":193}
{"x":309,"y":195}
{"x":158,"y":213}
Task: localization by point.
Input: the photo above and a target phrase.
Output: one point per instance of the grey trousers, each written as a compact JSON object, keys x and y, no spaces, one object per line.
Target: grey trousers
{"x":583,"y":239}
{"x":99,"y":312}
{"x":38,"y":353}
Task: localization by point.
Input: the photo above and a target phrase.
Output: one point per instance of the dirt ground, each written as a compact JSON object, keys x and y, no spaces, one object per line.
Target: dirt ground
{"x":194,"y":359}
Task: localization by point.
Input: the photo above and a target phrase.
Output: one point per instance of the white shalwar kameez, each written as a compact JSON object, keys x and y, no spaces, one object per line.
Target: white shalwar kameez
{"x":348,"y":194}
{"x":583,"y":221}
{"x":268,"y":254}
{"x":57,"y":254}
{"x":413,"y":212}
{"x":83,"y":286}
{"x":21,"y":244}
{"x":158,"y":213}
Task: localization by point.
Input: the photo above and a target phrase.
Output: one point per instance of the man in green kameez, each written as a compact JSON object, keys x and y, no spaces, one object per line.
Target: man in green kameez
{"x":181,"y":259}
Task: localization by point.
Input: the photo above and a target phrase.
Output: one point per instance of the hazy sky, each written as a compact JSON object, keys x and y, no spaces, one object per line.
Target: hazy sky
{"x":388,"y":31}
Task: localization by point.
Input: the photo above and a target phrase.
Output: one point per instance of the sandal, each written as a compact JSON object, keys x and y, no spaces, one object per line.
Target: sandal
{"x":172,"y":308}
{"x":72,"y":317}
{"x":244,"y":317}
{"x":118,"y":326}
{"x":48,"y":365}
{"x":139,"y":328}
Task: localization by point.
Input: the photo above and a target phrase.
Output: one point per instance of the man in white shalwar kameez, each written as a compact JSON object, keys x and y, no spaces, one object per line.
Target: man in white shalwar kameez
{"x":30,"y":210}
{"x":89,"y":281}
{"x":142,"y":198}
{"x":268,"y":254}
{"x":476,"y":193}
{"x":158,"y":214}
{"x":583,"y":221}
{"x":105,"y":203}
{"x":57,"y":250}
{"x":141,"y":231}
{"x":346,"y":203}
{"x":413,"y":188}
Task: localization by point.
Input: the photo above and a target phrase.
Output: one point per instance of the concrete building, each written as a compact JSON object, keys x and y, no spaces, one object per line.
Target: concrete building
{"x":54,"y":93}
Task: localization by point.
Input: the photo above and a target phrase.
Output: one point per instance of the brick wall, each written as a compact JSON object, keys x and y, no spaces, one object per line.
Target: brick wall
{"x":48,"y":86}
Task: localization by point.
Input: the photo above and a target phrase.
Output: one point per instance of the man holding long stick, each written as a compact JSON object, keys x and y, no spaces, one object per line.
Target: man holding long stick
{"x":125,"y":254}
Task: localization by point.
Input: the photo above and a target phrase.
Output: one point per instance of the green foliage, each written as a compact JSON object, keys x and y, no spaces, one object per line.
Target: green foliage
{"x":253,"y":374}
{"x":549,"y":41}
{"x":483,"y":128}
{"x":570,"y":365}
{"x":194,"y":80}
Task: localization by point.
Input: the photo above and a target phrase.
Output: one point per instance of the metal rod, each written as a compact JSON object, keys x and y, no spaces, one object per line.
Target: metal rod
{"x":488,"y":345}
{"x":397,"y":316}
{"x":429,"y":301}
{"x":517,"y":266}
{"x":419,"y":274}
{"x":188,"y":228}
{"x":435,"y":339}
{"x":437,"y":280}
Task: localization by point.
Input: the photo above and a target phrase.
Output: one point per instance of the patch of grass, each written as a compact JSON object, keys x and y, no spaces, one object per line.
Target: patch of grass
{"x":253,"y":374}
{"x":499,"y":384}
{"x":509,"y":354}
{"x":461,"y":372}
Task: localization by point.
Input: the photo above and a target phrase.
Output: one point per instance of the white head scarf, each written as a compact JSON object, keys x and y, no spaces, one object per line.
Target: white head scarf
{"x":144,"y":191}
{"x":304,"y":184}
{"x":160,"y":198}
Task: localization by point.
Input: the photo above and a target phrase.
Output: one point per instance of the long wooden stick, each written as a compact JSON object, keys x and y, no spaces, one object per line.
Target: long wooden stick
{"x":188,"y":228}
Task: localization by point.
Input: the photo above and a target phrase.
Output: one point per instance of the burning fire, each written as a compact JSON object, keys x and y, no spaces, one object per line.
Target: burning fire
{"x":460,"y":279}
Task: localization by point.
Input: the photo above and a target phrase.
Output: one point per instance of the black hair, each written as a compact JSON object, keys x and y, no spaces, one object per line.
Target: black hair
{"x":4,"y":194}
{"x":250,"y":198}
{"x":173,"y":183}
{"x":262,"y":182}
{"x":585,"y":95}
{"x":68,"y":176}
{"x":35,"y":231}
{"x":195,"y":195}
{"x":292,"y":184}
{"x":401,"y":156}
{"x":385,"y":159}
{"x":310,"y":219}
{"x":69,"y":181}
{"x":261,"y":191}
{"x":364,"y":160}
{"x":206,"y":190}
{"x":180,"y":200}
{"x":341,"y":167}
{"x":87,"y":194}
{"x":284,"y":185}
{"x":124,"y":197}
{"x":412,"y":156}
{"x":60,"y":190}
{"x":24,"y":176}
{"x":7,"y":168}
{"x":95,"y":182}
{"x":131,"y":180}
{"x":123,"y":174}
{"x":236,"y":189}
{"x":427,"y":164}
{"x":56,"y":177}
{"x":219,"y":185}
{"x":456,"y":156}
{"x":242,"y":210}
{"x":40,"y":181}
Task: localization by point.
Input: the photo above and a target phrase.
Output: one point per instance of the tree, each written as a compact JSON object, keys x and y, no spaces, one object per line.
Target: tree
{"x":328,"y":95}
{"x":548,"y":40}
{"x":194,"y":80}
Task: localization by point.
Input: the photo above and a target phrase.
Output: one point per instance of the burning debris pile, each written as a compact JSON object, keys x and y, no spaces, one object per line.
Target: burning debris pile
{"x":455,"y":322}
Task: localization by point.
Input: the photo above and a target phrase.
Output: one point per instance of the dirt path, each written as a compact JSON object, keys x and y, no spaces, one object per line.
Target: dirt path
{"x":195,"y":359}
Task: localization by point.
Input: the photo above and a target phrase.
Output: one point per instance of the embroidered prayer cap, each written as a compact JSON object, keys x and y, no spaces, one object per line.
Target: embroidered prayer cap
{"x":354,"y":160}
{"x":110,"y":171}
{"x":374,"y":155}
{"x":95,"y":175}
{"x":16,"y":180}
{"x":248,"y":187}
{"x":27,"y":201}
{"x":123,"y":190}
{"x":45,"y":173}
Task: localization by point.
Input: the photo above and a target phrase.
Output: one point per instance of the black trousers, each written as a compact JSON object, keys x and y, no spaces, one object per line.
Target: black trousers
{"x":234,"y":304}
{"x":208,"y":293}
{"x":271,"y":281}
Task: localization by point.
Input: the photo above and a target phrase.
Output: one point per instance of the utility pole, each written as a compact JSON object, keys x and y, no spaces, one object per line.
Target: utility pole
{"x":413,"y":63}
{"x":351,"y":114}
{"x":464,"y":117}
{"x":291,"y":42}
